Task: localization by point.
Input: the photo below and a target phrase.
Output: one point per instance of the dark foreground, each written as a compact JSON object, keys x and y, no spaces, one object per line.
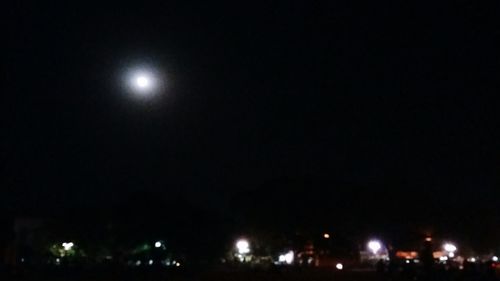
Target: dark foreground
{"x":276,"y":275}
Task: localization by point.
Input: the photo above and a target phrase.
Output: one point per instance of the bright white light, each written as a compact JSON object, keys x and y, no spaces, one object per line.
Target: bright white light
{"x":339,"y":266}
{"x":374,"y":246}
{"x":289,"y":257}
{"x":143,"y":81}
{"x":138,"y":263}
{"x":472,"y":259}
{"x":448,"y":247}
{"x":151,"y":262}
{"x":68,"y":246}
{"x":326,"y":235}
{"x":494,"y":258}
{"x":177,"y":264}
{"x":243,"y":247}
{"x":407,"y":261}
{"x":451,"y":255}
{"x":157,"y":244}
{"x":443,"y":258}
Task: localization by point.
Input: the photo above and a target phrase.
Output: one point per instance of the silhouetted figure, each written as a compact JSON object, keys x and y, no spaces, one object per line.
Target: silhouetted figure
{"x":380,"y":266}
{"x":427,"y":258}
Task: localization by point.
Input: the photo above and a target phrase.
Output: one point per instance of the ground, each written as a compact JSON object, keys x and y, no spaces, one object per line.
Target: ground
{"x":290,"y":275}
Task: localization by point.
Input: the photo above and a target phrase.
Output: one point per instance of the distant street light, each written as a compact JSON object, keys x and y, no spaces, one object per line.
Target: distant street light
{"x":158,"y":244}
{"x":374,"y":246}
{"x":289,"y":257}
{"x":68,"y":245}
{"x":243,"y":247}
{"x":450,"y":248}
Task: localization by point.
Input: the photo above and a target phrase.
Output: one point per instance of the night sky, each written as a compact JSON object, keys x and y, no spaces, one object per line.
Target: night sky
{"x":379,"y":112}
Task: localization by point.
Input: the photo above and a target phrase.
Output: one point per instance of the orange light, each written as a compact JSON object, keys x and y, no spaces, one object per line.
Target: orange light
{"x":407,"y":255}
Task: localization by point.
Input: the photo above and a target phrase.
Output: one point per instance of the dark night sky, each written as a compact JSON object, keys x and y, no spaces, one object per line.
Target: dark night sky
{"x":397,"y":101}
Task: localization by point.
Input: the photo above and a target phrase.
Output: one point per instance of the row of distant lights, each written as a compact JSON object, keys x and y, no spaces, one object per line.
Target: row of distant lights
{"x":243,"y":248}
{"x":167,"y":263}
{"x":472,"y":259}
{"x":159,"y":244}
{"x":69,"y":245}
{"x":451,"y":249}
{"x":375,"y":246}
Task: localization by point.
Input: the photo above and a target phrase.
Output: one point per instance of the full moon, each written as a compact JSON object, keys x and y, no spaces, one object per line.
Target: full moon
{"x":143,"y":82}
